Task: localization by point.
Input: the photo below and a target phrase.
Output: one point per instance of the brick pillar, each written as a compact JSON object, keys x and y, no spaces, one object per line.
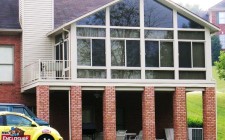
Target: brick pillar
{"x":148,"y":113}
{"x":109,"y":113}
{"x":209,"y":114}
{"x":42,"y":101}
{"x":76,"y":113}
{"x":180,"y":114}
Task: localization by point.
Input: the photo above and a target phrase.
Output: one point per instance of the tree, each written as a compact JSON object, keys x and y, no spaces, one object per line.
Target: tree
{"x":220,"y":65}
{"x":216,"y":47}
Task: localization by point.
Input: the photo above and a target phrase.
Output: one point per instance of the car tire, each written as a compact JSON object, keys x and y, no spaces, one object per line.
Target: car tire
{"x":45,"y":137}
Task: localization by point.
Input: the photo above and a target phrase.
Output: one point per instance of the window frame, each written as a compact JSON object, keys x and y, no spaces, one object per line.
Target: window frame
{"x":9,"y":64}
{"x":221,"y":17}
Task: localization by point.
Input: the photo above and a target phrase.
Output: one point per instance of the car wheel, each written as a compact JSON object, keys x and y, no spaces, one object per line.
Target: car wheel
{"x":45,"y":137}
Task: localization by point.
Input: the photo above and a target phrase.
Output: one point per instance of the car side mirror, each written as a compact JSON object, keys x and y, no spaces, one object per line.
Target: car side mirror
{"x":33,"y":125}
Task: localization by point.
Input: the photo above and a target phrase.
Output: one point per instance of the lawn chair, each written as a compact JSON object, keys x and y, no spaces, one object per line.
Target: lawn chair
{"x":121,"y":134}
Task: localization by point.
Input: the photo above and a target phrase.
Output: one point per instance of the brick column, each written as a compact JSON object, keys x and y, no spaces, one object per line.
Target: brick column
{"x":76,"y":113}
{"x":148,"y":113}
{"x":42,"y":101}
{"x":180,"y":114}
{"x":209,"y":114}
{"x":109,"y":113}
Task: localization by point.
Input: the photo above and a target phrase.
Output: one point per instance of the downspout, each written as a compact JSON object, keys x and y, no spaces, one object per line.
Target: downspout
{"x":70,"y":131}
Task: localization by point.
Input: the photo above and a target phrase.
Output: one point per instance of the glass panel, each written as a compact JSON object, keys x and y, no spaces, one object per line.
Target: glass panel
{"x":197,"y":75}
{"x":6,"y":73}
{"x":184,"y":22}
{"x":151,"y":53}
{"x":6,"y":55}
{"x":123,"y":33}
{"x":222,"y":41}
{"x":166,"y":54}
{"x":58,"y":38}
{"x":98,"y":52}
{"x":125,"y":13}
{"x":150,"y":74}
{"x":198,"y":55}
{"x":157,"y":15}
{"x":83,"y":52}
{"x":185,"y":54}
{"x":191,"y":35}
{"x":221,"y":17}
{"x":133,"y":53}
{"x":13,"y":120}
{"x":126,"y":74}
{"x":158,"y":34}
{"x":100,"y":74}
{"x":118,"y":53}
{"x":95,"y":19}
{"x":91,"y":32}
{"x":1,"y":120}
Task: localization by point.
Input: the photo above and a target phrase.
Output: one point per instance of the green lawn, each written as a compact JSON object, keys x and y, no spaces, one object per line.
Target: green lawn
{"x":194,"y":106}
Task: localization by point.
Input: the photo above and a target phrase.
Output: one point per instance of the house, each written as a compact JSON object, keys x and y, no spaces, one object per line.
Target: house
{"x":217,"y":17}
{"x":98,"y":66}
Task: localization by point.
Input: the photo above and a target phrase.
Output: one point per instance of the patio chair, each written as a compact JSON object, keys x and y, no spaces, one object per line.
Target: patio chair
{"x":121,"y":134}
{"x":138,"y":137}
{"x":169,"y":133}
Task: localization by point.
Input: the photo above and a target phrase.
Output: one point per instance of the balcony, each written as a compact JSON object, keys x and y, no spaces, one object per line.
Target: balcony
{"x":47,"y":70}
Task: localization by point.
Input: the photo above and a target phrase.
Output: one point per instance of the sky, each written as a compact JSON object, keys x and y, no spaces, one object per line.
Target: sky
{"x":203,"y":4}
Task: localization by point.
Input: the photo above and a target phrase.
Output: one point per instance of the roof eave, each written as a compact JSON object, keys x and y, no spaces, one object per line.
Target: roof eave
{"x":5,"y":31}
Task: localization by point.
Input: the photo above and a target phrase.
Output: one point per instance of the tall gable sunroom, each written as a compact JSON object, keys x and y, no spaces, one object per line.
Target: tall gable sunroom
{"x":117,"y":64}
{"x":132,"y":39}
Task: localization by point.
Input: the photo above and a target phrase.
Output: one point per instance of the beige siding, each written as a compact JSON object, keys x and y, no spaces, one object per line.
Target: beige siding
{"x":37,"y":22}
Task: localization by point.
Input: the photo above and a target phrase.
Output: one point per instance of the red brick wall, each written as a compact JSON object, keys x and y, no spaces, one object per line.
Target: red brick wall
{"x":148,"y":113}
{"x":209,"y":114}
{"x":180,"y":114}
{"x":10,"y":92}
{"x":109,"y":111}
{"x":76,"y":112}
{"x":42,"y":100}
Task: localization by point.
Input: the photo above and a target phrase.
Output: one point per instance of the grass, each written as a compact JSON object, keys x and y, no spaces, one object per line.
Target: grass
{"x":194,"y":106}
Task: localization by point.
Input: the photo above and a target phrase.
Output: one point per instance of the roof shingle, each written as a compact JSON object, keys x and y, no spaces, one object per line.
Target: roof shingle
{"x":9,"y":14}
{"x":68,"y":10}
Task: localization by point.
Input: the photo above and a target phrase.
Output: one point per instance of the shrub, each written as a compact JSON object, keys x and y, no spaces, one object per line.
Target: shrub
{"x":196,"y":123}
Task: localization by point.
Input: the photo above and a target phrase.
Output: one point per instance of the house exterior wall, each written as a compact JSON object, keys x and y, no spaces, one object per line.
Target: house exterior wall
{"x":37,"y":21}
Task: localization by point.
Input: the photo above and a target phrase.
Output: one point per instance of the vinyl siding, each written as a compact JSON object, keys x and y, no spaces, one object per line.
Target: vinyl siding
{"x":37,"y":22}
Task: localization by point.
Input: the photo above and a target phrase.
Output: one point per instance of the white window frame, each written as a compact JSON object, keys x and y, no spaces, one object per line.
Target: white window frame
{"x":221,"y":17}
{"x":8,"y":64}
{"x":222,"y":41}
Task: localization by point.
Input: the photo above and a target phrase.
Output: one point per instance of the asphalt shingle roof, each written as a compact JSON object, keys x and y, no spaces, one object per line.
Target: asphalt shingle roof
{"x":68,"y":10}
{"x":220,"y":5}
{"x":9,"y":14}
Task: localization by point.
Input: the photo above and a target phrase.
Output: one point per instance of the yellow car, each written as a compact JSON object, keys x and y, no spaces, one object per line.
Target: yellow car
{"x":16,"y":126}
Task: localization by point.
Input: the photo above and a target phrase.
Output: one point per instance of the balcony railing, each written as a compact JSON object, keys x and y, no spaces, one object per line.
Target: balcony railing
{"x":47,"y":70}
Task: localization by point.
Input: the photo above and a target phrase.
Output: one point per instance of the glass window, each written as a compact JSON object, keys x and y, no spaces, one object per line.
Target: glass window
{"x":125,"y":33}
{"x":157,"y":15}
{"x":91,"y":32}
{"x":20,"y":110}
{"x":158,"y":34}
{"x":184,"y":22}
{"x":196,"y":75}
{"x":14,"y":120}
{"x":125,"y":13}
{"x":125,"y":53}
{"x":91,"y":52}
{"x":158,"y":54}
{"x":221,"y":17}
{"x":133,"y":53}
{"x":153,"y":74}
{"x":85,"y":73}
{"x":191,"y":54}
{"x":152,"y":54}
{"x":198,"y":54}
{"x":95,"y":19}
{"x":1,"y":121}
{"x":191,"y":35}
{"x":185,"y":54}
{"x":6,"y":63}
{"x":126,"y":74}
{"x":222,"y":40}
